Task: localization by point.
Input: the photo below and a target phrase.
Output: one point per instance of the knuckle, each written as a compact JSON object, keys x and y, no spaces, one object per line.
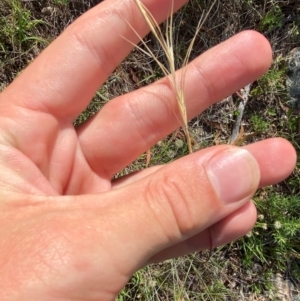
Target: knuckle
{"x":171,"y":200}
{"x":81,"y":40}
{"x":209,"y":86}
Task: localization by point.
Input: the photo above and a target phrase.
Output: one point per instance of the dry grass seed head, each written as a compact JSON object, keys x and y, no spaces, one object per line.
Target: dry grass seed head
{"x":166,"y":42}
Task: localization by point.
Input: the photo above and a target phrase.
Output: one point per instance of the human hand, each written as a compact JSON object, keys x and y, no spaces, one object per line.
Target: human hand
{"x":70,"y":233}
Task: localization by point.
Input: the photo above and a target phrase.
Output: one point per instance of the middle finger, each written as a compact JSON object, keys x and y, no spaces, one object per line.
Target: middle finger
{"x":132,"y":123}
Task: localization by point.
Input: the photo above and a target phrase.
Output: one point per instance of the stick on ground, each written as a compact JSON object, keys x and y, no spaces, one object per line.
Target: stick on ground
{"x":244,"y":95}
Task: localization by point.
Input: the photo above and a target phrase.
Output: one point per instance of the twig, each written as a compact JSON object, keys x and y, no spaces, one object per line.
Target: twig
{"x":244,"y":95}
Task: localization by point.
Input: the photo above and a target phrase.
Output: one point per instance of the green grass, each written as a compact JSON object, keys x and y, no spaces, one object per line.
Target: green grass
{"x":246,"y":267}
{"x":272,"y":19}
{"x":18,"y":28}
{"x":259,"y":124}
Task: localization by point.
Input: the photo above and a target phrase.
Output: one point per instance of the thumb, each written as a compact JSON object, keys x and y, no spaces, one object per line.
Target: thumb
{"x":180,"y":200}
{"x":133,"y":223}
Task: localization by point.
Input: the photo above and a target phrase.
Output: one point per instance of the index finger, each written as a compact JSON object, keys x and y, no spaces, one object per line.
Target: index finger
{"x":64,"y":78}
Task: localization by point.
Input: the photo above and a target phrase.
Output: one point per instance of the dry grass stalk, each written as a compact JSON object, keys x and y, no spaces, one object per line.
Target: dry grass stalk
{"x":166,"y":42}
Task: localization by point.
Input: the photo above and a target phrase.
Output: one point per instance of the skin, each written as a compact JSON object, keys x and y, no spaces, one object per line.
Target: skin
{"x":67,"y":231}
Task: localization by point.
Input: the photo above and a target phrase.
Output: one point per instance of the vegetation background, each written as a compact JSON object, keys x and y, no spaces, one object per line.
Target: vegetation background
{"x":265,"y":265}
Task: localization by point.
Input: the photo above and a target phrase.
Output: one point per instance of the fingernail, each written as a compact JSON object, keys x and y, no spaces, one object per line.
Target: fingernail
{"x":234,"y":174}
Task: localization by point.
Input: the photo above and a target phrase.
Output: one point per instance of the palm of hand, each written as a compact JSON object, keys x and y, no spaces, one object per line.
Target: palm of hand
{"x":68,"y":232}
{"x":44,"y":156}
{"x":41,"y":161}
